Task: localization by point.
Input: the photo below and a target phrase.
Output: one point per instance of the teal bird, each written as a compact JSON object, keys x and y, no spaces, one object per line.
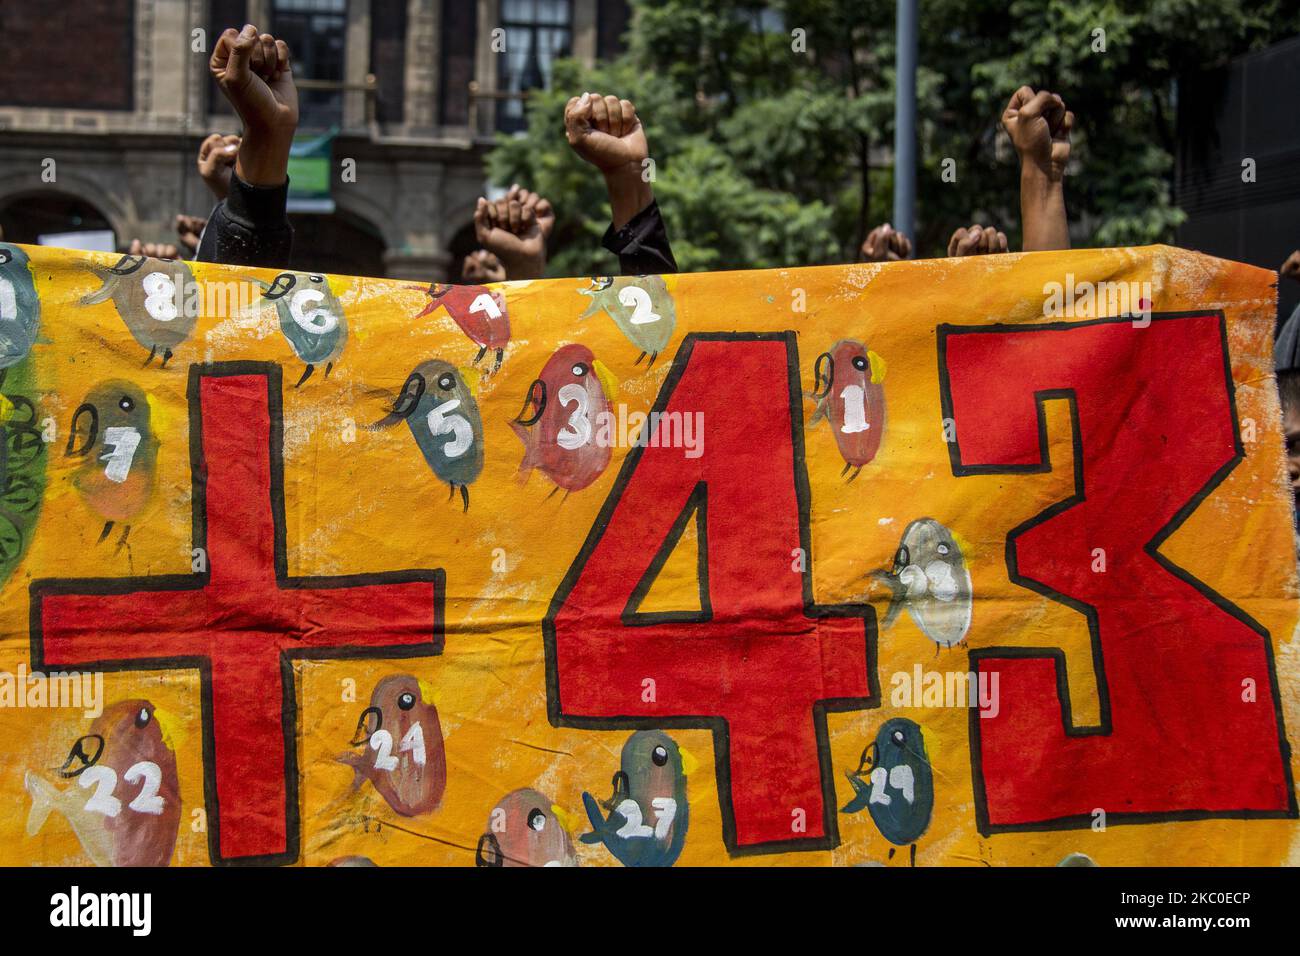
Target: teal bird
{"x":641,"y":308}
{"x":20,"y":308}
{"x":437,"y":403}
{"x":894,"y":783}
{"x":311,"y":318}
{"x":647,"y":815}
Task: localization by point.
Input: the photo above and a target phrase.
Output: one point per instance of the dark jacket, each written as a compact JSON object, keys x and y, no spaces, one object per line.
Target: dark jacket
{"x":250,"y":227}
{"x":642,"y":244}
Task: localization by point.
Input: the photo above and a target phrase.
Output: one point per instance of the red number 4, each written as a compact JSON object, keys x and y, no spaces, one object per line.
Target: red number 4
{"x":758,"y":662}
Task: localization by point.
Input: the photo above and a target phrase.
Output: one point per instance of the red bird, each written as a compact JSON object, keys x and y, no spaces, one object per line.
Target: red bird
{"x":560,"y":421}
{"x":850,"y":395}
{"x":480,"y":313}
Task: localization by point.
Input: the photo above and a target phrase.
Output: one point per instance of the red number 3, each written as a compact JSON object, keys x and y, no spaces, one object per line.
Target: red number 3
{"x":1155,"y":431}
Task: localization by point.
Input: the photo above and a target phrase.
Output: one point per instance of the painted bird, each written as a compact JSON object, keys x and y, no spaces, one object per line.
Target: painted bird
{"x":850,"y":394}
{"x":125,"y":808}
{"x":895,"y":783}
{"x":645,"y":820}
{"x":112,"y":435}
{"x":558,"y":423}
{"x":479,"y":311}
{"x":402,"y":751}
{"x":150,"y":296}
{"x":930,"y":579}
{"x":20,"y":307}
{"x":437,"y":403}
{"x":525,"y":829}
{"x":311,"y":318}
{"x":641,"y":308}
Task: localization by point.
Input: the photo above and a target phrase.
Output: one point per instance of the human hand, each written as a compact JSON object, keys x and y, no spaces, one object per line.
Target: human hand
{"x":216,"y":161}
{"x":1039,"y":126}
{"x":254,"y":73}
{"x":154,"y":250}
{"x":481,"y":266}
{"x":515,"y":229}
{"x":605,"y":131}
{"x":189,"y":229}
{"x":885,"y":244}
{"x":977,"y":241}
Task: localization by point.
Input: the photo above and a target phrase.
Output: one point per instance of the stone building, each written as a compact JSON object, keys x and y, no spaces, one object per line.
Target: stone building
{"x":103,"y":104}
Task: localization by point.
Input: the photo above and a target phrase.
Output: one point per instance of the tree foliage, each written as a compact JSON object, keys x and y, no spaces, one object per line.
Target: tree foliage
{"x":771,"y":124}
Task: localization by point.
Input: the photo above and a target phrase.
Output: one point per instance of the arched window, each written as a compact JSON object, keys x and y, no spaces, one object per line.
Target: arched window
{"x":51,"y":216}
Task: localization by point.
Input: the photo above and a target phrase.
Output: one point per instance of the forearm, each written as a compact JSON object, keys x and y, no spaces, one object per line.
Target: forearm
{"x":629,"y":193}
{"x":263,"y":158}
{"x":523,"y":267}
{"x":1042,"y":211}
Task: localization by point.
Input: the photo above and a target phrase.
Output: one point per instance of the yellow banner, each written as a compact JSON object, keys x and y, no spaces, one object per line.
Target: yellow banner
{"x":945,"y":562}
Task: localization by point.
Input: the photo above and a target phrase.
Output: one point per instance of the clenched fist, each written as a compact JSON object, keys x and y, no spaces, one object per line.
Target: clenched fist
{"x":515,"y":229}
{"x":886,"y":244}
{"x":1039,"y":126}
{"x":254,"y":73}
{"x":605,"y":131}
{"x":216,"y":161}
{"x":977,"y":241}
{"x":154,"y":250}
{"x":189,"y":230}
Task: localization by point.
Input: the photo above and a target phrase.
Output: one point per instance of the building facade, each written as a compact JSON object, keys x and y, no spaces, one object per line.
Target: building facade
{"x":103,"y":105}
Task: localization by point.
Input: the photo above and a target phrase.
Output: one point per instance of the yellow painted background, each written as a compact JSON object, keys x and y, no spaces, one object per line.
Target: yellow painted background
{"x":373,"y":505}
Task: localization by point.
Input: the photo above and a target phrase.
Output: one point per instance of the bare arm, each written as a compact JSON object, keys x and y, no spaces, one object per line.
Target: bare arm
{"x":1039,"y":126}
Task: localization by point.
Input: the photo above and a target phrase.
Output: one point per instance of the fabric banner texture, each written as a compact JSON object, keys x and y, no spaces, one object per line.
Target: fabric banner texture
{"x":983,"y":561}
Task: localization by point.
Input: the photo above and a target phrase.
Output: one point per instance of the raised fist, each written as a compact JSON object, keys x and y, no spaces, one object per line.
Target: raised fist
{"x":154,"y":250}
{"x":886,"y":244}
{"x":189,"y":229}
{"x":216,"y":160}
{"x":515,"y":229}
{"x":1039,"y":126}
{"x":977,"y":241}
{"x":254,"y":73}
{"x":605,"y":131}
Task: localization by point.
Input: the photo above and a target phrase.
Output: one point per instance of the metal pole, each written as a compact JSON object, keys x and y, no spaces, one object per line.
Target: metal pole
{"x":905,"y":121}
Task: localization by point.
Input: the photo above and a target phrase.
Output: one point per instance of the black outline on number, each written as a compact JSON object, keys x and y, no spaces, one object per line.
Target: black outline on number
{"x":289,"y":715}
{"x":1057,"y":655}
{"x":696,"y":504}
{"x":718,"y":725}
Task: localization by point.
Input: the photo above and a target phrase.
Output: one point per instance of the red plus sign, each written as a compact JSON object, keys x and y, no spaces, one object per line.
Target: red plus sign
{"x":243,"y":621}
{"x":760,"y":664}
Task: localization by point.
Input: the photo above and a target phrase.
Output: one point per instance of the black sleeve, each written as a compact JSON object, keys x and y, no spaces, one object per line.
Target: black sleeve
{"x":250,"y":227}
{"x":642,"y":244}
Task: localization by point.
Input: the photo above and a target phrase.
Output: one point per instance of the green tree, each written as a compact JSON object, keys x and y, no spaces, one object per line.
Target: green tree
{"x":770,"y":124}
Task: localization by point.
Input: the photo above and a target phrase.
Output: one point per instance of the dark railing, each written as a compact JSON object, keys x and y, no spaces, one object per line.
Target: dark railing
{"x":483,"y":108}
{"x":321,"y":102}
